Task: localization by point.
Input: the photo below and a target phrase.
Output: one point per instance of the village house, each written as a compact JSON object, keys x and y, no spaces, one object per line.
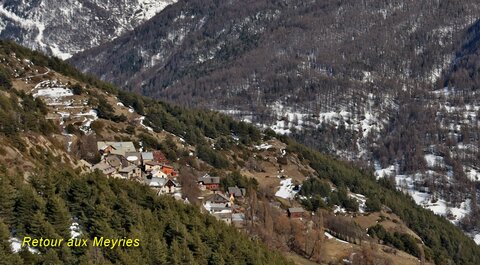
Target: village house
{"x":169,"y":170}
{"x":134,"y":158}
{"x":147,"y":157}
{"x":116,"y":148}
{"x":163,"y":185}
{"x":217,"y":197}
{"x":105,"y":168}
{"x":157,"y":174}
{"x":236,"y":192}
{"x":219,"y":206}
{"x":131,"y":172}
{"x":116,"y":161}
{"x":209,"y":183}
{"x":238,"y":220}
{"x":295,"y":212}
{"x":152,"y":165}
{"x":224,"y":215}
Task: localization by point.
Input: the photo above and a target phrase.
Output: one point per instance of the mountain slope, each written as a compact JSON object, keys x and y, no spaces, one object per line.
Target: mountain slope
{"x":273,"y":48}
{"x":46,"y":192}
{"x":283,"y":65}
{"x":63,"y":29}
{"x":359,"y":80}
{"x":220,"y":145}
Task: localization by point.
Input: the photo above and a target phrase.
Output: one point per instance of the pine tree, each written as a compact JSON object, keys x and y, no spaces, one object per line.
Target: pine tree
{"x":216,"y":259}
{"x":79,"y":196}
{"x":51,"y":258}
{"x":25,"y":206}
{"x":175,"y":257}
{"x":38,"y":226}
{"x":58,"y":216}
{"x":7,"y":200}
{"x":99,"y":222}
{"x":157,"y":250}
{"x":187,"y":257}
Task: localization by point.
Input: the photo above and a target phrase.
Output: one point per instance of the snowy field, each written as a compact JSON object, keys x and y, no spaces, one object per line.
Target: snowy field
{"x":53,"y":92}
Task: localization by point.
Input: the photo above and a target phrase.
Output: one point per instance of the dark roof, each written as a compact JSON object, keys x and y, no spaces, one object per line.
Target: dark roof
{"x":104,"y":167}
{"x":236,"y":191}
{"x":173,"y":182}
{"x":127,"y":169}
{"x":114,"y":160}
{"x":209,"y":180}
{"x":217,"y":198}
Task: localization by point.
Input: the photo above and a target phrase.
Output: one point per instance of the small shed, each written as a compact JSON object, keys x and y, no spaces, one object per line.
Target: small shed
{"x":295,"y":212}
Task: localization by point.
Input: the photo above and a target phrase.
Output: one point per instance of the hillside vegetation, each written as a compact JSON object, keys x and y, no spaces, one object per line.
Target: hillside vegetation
{"x":170,"y":232}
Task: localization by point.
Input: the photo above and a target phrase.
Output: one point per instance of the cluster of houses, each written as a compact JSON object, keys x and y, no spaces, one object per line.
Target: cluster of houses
{"x":122,"y":160}
{"x":226,"y":205}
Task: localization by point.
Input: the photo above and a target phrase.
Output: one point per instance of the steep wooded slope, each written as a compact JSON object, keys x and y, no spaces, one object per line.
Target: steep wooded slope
{"x":303,"y":55}
{"x":65,"y":28}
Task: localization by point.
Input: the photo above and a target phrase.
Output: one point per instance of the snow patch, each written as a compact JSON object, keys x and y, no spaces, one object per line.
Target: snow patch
{"x":428,"y":201}
{"x":16,"y":245}
{"x":383,"y":172}
{"x":472,"y":173}
{"x":286,"y":189}
{"x":476,"y":238}
{"x":263,"y":146}
{"x":339,"y":209}
{"x":75,"y":230}
{"x":142,"y":119}
{"x":54,"y":92}
{"x":329,"y":236}
{"x":89,"y":117}
{"x":433,"y":160}
{"x":361,"y":201}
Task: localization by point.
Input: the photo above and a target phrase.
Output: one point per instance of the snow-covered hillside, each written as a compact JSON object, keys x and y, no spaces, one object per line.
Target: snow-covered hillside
{"x":63,"y":28}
